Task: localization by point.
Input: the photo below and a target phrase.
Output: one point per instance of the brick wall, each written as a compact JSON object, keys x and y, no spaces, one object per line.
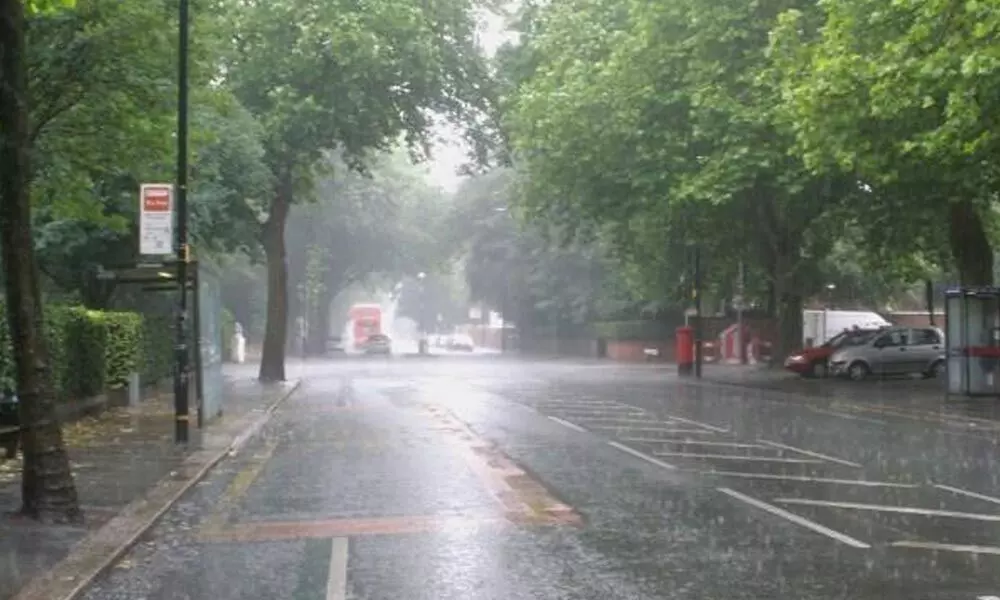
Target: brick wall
{"x":634,"y":351}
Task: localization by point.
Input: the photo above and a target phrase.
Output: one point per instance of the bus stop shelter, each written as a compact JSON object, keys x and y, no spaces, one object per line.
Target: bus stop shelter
{"x":205,"y":341}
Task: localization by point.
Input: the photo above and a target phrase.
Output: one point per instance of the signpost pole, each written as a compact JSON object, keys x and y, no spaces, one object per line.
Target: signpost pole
{"x":741,"y":284}
{"x":697,"y":308}
{"x":181,"y":384}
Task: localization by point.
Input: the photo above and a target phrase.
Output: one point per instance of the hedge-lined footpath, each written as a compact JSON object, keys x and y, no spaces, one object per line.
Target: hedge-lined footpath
{"x":93,"y":351}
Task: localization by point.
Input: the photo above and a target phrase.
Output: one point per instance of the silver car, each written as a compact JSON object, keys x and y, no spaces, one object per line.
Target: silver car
{"x":893,"y":351}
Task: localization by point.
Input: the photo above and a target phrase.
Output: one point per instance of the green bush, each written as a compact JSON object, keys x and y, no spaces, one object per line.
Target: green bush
{"x":158,"y":348}
{"x":54,"y":336}
{"x":90,"y":350}
{"x":86,"y":344}
{"x":124,"y":345}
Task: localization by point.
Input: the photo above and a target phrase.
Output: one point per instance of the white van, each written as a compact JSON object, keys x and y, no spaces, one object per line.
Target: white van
{"x":818,"y":326}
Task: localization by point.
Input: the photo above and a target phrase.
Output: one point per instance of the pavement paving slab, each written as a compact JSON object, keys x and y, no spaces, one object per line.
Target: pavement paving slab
{"x":128,"y":470}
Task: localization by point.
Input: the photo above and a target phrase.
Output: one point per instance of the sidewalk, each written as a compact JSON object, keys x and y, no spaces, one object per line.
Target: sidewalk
{"x":118,"y":458}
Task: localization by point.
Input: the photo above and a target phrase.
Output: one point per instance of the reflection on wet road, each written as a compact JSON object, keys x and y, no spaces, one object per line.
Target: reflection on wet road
{"x":493,"y":478}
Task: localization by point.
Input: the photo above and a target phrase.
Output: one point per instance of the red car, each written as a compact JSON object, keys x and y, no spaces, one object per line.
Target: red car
{"x":812,"y":362}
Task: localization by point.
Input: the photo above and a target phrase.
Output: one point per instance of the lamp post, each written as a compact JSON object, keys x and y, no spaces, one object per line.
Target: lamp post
{"x":422,"y":320}
{"x":181,"y":374}
{"x":697,"y":312}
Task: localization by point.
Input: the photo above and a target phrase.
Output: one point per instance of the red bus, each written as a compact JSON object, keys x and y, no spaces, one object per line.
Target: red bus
{"x":366,"y":320}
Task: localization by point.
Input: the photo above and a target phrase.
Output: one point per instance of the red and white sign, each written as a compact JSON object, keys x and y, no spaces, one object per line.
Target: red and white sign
{"x":156,"y":219}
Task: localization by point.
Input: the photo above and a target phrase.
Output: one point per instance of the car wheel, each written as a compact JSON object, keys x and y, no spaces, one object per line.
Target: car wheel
{"x":858,"y":371}
{"x":938,"y":369}
{"x":818,"y":369}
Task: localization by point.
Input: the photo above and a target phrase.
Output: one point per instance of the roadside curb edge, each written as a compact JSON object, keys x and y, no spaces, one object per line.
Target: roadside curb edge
{"x":101,"y":549}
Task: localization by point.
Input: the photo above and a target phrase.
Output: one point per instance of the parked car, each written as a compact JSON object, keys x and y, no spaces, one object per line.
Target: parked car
{"x":893,"y":351}
{"x":461,"y":342}
{"x":813,"y":362}
{"x":335,"y":344}
{"x":377,"y":343}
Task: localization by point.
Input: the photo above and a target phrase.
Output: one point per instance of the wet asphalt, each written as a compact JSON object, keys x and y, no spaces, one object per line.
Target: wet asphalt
{"x":467,"y":478}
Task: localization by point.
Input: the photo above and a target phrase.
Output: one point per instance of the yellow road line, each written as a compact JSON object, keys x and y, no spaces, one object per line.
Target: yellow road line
{"x":238,"y":488}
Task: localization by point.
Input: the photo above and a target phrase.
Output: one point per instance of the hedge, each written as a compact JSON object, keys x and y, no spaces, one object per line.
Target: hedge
{"x":92,"y":351}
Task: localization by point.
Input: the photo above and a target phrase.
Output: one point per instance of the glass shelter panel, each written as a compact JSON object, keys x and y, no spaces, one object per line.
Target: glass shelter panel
{"x":973,"y":341}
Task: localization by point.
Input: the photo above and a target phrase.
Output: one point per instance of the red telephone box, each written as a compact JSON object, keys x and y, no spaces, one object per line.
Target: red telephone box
{"x":684,"y":350}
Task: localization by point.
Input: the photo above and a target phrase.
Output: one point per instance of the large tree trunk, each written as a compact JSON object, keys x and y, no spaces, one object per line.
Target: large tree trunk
{"x":47,"y":489}
{"x":970,"y":245}
{"x":789,"y":337}
{"x":272,"y":362}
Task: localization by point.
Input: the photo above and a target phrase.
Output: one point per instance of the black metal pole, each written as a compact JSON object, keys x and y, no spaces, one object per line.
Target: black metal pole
{"x":929,"y":296}
{"x":181,"y":386}
{"x":199,"y":367}
{"x":697,"y":312}
{"x":743,"y":341}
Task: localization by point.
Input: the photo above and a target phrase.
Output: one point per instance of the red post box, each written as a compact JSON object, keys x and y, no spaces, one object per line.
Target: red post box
{"x":685,"y":350}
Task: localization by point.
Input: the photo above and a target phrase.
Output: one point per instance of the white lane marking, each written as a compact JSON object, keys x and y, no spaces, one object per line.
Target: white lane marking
{"x":336,"y":584}
{"x":860,"y":482}
{"x":653,"y":439}
{"x":797,"y":461}
{"x":643,"y":456}
{"x":794,"y":518}
{"x":949,"y":548}
{"x":987,"y":597}
{"x":556,"y":406}
{"x":650,"y":429}
{"x":704,"y":443}
{"x":825,"y":457}
{"x":697,"y":423}
{"x":612,"y":418}
{"x":847,"y":416}
{"x":905,"y":510}
{"x":572,"y":426}
{"x":961,"y":492}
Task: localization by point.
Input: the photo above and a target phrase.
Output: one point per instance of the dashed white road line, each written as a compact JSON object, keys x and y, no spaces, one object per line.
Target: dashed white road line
{"x":801,"y":478}
{"x":643,"y":456}
{"x":825,"y":457}
{"x":697,"y":423}
{"x":794,"y":518}
{"x":905,"y":510}
{"x":970,"y":549}
{"x":737,"y":457}
{"x":653,"y":439}
{"x":572,"y":426}
{"x":336,"y":583}
{"x":650,"y":429}
{"x":847,"y":416}
{"x":706,"y":443}
{"x":624,"y":420}
{"x":961,"y":492}
{"x":987,"y":597}
{"x":583,"y":405}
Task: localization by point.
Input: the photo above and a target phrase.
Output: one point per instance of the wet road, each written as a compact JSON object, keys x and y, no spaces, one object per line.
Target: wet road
{"x":456,"y":478}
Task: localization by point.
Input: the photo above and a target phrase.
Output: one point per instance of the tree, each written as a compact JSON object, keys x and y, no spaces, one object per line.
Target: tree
{"x":656,"y":125}
{"x":324,"y":76}
{"x":383,"y":223}
{"x":520,"y":269}
{"x":47,"y":488}
{"x":902,"y":95}
{"x":103,"y":124}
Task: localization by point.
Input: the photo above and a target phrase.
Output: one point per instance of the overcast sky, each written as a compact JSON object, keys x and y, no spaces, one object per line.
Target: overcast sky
{"x":450,"y":154}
